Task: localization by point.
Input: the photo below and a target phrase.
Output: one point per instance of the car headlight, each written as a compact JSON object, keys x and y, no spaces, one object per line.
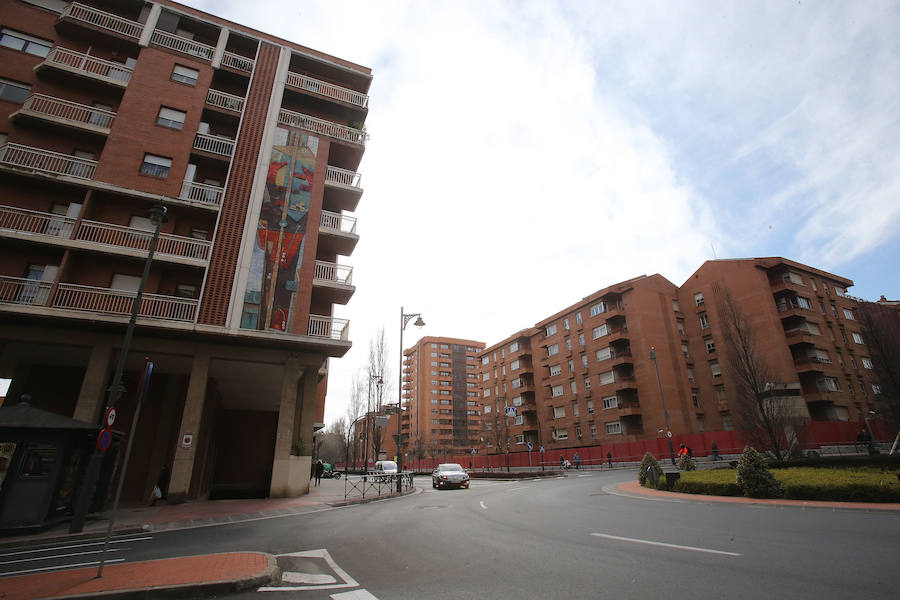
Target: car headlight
{"x":443,"y":477}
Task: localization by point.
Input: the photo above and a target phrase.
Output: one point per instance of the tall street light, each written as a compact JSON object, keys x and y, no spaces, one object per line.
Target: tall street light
{"x":663,"y":400}
{"x":404,"y":321}
{"x":370,"y":418}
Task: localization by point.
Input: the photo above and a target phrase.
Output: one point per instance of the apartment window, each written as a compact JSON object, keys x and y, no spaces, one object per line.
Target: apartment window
{"x":555,"y":370}
{"x":598,"y":309}
{"x":503,"y":369}
{"x":520,"y":438}
{"x":690,"y":374}
{"x":794,"y":278}
{"x":24,"y":42}
{"x":679,"y":324}
{"x":604,"y":354}
{"x":514,"y":347}
{"x":577,"y":427}
{"x":156,"y":166}
{"x":727,"y":423}
{"x":698,"y":298}
{"x":445,"y":392}
{"x":556,"y":391}
{"x":517,"y":401}
{"x":695,"y":400}
{"x":704,"y":322}
{"x":675,"y":306}
{"x":13,"y":92}
{"x":434,"y":422}
{"x":568,"y":344}
{"x":485,"y":376}
{"x":590,"y":407}
{"x":610,"y":402}
{"x":701,"y":425}
{"x":822,"y":307}
{"x":578,"y":318}
{"x":515,"y":365}
{"x":128,"y":283}
{"x":587,"y":384}
{"x":185,"y":290}
{"x":434,"y":363}
{"x":813,"y":329}
{"x":485,"y":360}
{"x":487,"y":409}
{"x":434,"y":400}
{"x":571,"y":366}
{"x":171,"y":118}
{"x":593,"y":430}
{"x":812,"y":282}
{"x":857,"y":338}
{"x":185,"y":75}
{"x":199,"y":234}
{"x":848,"y":314}
{"x":716,"y":370}
{"x":710,"y":346}
{"x":553,"y":350}
{"x":600,"y":331}
{"x":839,"y":291}
{"x":472,"y":394}
{"x":560,"y":434}
{"x":829,"y":384}
{"x":613,"y":428}
{"x":804,"y":303}
{"x":581,"y":339}
{"x":867,"y":363}
{"x":573,"y":386}
{"x":551,"y":329}
{"x":486,"y":392}
{"x":559,"y":412}
{"x":517,"y":383}
{"x":821,"y":356}
{"x":445,"y":346}
{"x":876,"y":388}
{"x":584,"y":361}
{"x":607,"y":377}
{"x":566,"y":324}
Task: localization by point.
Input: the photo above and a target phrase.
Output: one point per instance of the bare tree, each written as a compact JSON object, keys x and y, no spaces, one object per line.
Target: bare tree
{"x":354,"y":412}
{"x":882,"y":338}
{"x":378,"y":369}
{"x":759,"y":407}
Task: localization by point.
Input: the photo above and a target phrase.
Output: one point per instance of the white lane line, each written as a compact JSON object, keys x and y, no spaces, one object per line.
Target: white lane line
{"x":297,"y":577}
{"x":483,"y":505}
{"x":521,"y":487}
{"x":584,"y":476}
{"x":69,"y":547}
{"x":61,"y":567}
{"x":362,"y":594}
{"x":664,"y":545}
{"x":20,"y":560}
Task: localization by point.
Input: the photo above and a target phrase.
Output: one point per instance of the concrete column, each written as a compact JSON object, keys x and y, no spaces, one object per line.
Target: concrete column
{"x":308,"y":408}
{"x":150,"y":25}
{"x":284,"y":434}
{"x":92,"y":396}
{"x":220,"y":48}
{"x":183,"y":463}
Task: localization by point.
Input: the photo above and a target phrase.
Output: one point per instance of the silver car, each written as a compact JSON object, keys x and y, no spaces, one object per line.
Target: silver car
{"x":449,"y":475}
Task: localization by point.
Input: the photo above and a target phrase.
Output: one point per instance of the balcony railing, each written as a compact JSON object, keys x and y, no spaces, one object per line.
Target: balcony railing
{"x":46,"y":161}
{"x":224,"y":100}
{"x":343,"y":177}
{"x":22,"y":220}
{"x":214,"y":144}
{"x":108,"y":234}
{"x":202,"y":192}
{"x":120,"y":302}
{"x":338,"y":222}
{"x":103,"y":20}
{"x":333,"y":272}
{"x":70,"y":112}
{"x":329,"y":328}
{"x":236,"y":61}
{"x":18,"y":290}
{"x":89,"y":66}
{"x":324,"y":88}
{"x":320,"y":126}
{"x":183,"y":45}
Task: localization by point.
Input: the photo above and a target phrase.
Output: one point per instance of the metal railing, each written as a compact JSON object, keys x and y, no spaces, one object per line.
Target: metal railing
{"x":73,"y":112}
{"x":328,"y":328}
{"x":119,"y":302}
{"x":108,"y":234}
{"x":343,"y":177}
{"x":46,"y":161}
{"x":372,"y":485}
{"x":329,"y":271}
{"x":97,"y":68}
{"x":23,"y":220}
{"x":304,"y":82}
{"x":103,"y":20}
{"x":323,"y":127}
{"x":180,"y":44}
{"x":236,"y":61}
{"x":225,"y":100}
{"x":338,"y":222}
{"x":202,"y":192}
{"x":18,"y":290}
{"x":214,"y":144}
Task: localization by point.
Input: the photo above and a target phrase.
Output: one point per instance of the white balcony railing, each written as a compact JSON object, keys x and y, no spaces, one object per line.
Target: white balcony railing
{"x":120,"y":302}
{"x":18,"y":290}
{"x":108,"y":234}
{"x":329,"y":328}
{"x":343,"y":177}
{"x":46,"y":161}
{"x":224,"y":100}
{"x":202,"y":192}
{"x":236,"y":61}
{"x":304,"y":82}
{"x":71,"y":112}
{"x":89,"y":66}
{"x":22,"y":220}
{"x":338,"y":222}
{"x":333,"y":272}
{"x":183,"y":45}
{"x":214,"y":144}
{"x":103,"y":20}
{"x":323,"y":127}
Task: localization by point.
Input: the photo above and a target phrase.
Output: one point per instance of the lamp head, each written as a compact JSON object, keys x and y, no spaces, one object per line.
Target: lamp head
{"x":652,"y":353}
{"x":419,"y":322}
{"x":157,"y":214}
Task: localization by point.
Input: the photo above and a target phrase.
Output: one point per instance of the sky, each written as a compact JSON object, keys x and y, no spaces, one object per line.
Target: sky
{"x":526,"y":154}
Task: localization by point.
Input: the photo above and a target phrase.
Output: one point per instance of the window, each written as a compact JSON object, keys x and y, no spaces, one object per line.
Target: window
{"x":675,"y":306}
{"x":24,"y":42}
{"x":487,"y":409}
{"x":857,"y":338}
{"x":573,"y":386}
{"x":590,"y":407}
{"x":185,"y":290}
{"x":714,"y":367}
{"x":571,"y":366}
{"x":185,"y":75}
{"x":13,"y":92}
{"x":551,"y":329}
{"x":171,"y":118}
{"x":555,"y":370}
{"x":577,"y":427}
{"x":704,"y":321}
{"x":199,"y":234}
{"x":486,"y":393}
{"x":604,"y":354}
{"x":559,"y":412}
{"x":560,"y":434}
{"x":520,"y":437}
{"x":690,"y":374}
{"x":587,"y":384}
{"x":445,"y":346}
{"x":566,"y":324}
{"x":867,"y":363}
{"x":613,"y":428}
{"x":698,"y":298}
{"x":584,"y":361}
{"x":610,"y":402}
{"x":434,"y":400}
{"x":593,"y":430}
{"x":848,"y":314}
{"x":794,"y":278}
{"x":156,"y":166}
{"x":679,"y":324}
{"x":485,"y":376}
{"x":821,"y":356}
{"x":701,"y":425}
{"x":598,"y":309}
{"x":727,"y":423}
{"x":813,"y":329}
{"x":128,"y":283}
{"x":828,"y":384}
{"x":876,"y":388}
{"x":568,"y":344}
{"x":839,"y":291}
{"x":607,"y":377}
{"x":514,"y":347}
{"x":554,"y":349}
{"x":581,"y":339}
{"x":445,"y":392}
{"x":804,"y":303}
{"x":600,"y":331}
{"x":578,"y":318}
{"x":517,"y":401}
{"x":556,"y":391}
{"x":710,"y":346}
{"x":684,"y":350}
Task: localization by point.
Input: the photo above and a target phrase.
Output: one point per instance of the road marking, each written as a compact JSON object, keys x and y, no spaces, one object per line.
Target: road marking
{"x":295,"y":577}
{"x":664,"y":545}
{"x":361,"y":594}
{"x":20,"y":560}
{"x":323,"y":554}
{"x":584,"y":476}
{"x":52,"y":548}
{"x":60,"y":567}
{"x":521,"y":487}
{"x":483,"y":505}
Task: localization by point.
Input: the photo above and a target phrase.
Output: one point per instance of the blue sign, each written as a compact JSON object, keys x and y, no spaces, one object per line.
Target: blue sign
{"x":510,"y":411}
{"x":104,"y":439}
{"x":530,"y":446}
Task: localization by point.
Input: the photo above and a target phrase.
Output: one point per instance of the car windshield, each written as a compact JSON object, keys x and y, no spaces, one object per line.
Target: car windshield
{"x":450,"y":467}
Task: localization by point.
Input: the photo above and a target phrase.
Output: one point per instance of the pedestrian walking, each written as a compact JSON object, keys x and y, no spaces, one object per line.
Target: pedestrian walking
{"x":320,"y":470}
{"x":562,"y":462}
{"x":609,"y":459}
{"x":715,"y":451}
{"x":577,"y":460}
{"x":682,"y":451}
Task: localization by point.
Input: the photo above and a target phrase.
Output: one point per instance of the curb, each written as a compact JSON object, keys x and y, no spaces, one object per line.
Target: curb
{"x":354,"y":501}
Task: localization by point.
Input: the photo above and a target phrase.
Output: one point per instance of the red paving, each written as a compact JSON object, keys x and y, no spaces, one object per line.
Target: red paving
{"x":634,"y":487}
{"x":209,"y":568}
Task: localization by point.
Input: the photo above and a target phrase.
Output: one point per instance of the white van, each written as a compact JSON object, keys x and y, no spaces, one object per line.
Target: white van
{"x":385,"y":467}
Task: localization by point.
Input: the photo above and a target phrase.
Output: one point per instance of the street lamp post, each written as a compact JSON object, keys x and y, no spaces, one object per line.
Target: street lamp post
{"x":404,"y":321}
{"x":370,"y":419}
{"x":663,"y":400}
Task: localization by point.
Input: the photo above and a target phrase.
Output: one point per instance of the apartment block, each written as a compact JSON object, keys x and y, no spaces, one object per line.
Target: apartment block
{"x":252,"y":145}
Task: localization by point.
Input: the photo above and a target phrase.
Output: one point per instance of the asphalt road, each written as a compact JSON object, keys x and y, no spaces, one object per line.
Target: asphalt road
{"x":560,"y":538}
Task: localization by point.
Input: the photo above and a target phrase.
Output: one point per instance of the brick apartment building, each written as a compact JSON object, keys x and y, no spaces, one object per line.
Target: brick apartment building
{"x":252,"y":144}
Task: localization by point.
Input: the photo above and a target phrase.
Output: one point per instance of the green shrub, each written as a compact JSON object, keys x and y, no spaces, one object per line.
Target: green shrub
{"x":686,"y":463}
{"x":860,"y":485}
{"x":754,"y":479}
{"x":709,"y":488}
{"x":649,"y":462}
{"x":882,"y":461}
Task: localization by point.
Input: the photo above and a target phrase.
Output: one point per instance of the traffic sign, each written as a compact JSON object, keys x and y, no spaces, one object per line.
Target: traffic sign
{"x":510,"y":411}
{"x":474,"y":451}
{"x":542,"y":448}
{"x":530,"y":446}
{"x":669,"y":434}
{"x":110,"y":417}
{"x":104,"y":439}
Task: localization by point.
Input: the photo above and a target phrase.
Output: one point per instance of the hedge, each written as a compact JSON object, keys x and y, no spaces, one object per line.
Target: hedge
{"x":882,"y":461}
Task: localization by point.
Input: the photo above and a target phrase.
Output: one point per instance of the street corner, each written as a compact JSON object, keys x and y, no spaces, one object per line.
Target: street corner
{"x":308,"y":570}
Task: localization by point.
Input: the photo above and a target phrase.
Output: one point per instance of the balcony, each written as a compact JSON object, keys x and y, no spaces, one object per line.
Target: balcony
{"x":800,"y":336}
{"x":342,"y":189}
{"x":47,"y":162}
{"x":225,"y":101}
{"x":323,"y":127}
{"x":202,"y":192}
{"x":66,"y":113}
{"x":217,"y":145}
{"x":616,"y":333}
{"x":118,"y":236}
{"x":329,"y":328}
{"x":182,"y":45}
{"x":329,"y":90}
{"x":629,"y":408}
{"x":238,"y":62}
{"x":30,"y":223}
{"x":84,"y":298}
{"x":625,"y":382}
{"x":83,"y":65}
{"x":334,"y":281}
{"x":337,"y":233}
{"x":811,"y":364}
{"x":101,"y":21}
{"x":620,"y":358}
{"x":792,"y":309}
{"x":27,"y":292}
